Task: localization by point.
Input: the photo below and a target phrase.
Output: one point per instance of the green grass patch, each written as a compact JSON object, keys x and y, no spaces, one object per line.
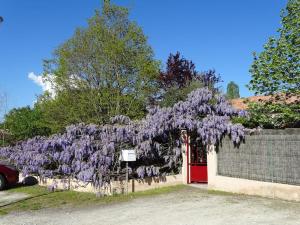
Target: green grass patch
{"x":41,"y":198}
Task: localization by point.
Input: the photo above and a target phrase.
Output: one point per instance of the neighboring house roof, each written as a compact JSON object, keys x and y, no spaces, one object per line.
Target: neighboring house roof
{"x":242,"y":103}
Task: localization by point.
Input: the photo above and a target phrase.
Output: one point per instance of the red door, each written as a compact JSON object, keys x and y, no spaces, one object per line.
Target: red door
{"x":197,"y":163}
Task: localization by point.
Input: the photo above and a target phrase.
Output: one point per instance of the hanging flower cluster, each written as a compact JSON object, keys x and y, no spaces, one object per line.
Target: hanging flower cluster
{"x":90,"y":153}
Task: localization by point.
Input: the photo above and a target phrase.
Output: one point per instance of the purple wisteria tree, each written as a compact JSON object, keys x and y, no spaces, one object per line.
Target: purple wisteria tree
{"x":90,"y":153}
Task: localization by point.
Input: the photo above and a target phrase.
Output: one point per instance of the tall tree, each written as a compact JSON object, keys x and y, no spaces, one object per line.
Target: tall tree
{"x":180,"y":78}
{"x":277,"y":68}
{"x":105,"y":69}
{"x":276,"y":72}
{"x":233,"y":90}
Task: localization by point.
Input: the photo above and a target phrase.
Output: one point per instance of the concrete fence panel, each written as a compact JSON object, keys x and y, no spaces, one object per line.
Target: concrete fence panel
{"x":267,"y":164}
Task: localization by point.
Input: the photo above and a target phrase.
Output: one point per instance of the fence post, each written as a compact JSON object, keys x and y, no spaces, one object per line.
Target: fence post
{"x":184,"y":146}
{"x":212,"y":164}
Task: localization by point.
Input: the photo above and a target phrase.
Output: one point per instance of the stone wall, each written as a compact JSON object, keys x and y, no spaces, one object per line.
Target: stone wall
{"x":116,"y":187}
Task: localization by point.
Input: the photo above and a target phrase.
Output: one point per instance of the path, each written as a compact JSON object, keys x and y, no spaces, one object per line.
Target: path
{"x":187,"y":207}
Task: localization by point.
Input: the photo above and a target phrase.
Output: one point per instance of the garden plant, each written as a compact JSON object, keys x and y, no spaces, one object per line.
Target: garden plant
{"x":90,"y":153}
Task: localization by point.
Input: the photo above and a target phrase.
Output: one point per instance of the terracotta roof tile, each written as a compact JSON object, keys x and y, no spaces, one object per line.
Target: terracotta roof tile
{"x":242,"y":103}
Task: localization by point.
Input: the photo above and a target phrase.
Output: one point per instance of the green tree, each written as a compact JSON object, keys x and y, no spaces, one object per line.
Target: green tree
{"x":105,"y":69}
{"x":277,"y":68}
{"x":23,"y":123}
{"x":175,"y":94}
{"x":180,"y":78}
{"x":276,"y":72}
{"x":233,"y":90}
{"x":271,"y":116}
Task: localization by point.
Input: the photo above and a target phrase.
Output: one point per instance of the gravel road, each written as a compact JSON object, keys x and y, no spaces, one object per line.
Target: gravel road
{"x":186,"y":207}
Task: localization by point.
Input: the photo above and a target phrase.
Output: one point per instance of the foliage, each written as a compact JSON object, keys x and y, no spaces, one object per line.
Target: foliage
{"x":276,"y":71}
{"x":277,"y":68}
{"x":66,"y":109}
{"x":232,"y":90}
{"x":174,"y":94}
{"x":179,"y":72}
{"x":180,"y":78}
{"x":23,"y":123}
{"x":90,"y":153}
{"x":271,"y":115}
{"x":105,"y":69}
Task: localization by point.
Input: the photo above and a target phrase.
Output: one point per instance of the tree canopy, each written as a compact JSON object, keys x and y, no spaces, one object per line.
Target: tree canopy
{"x":180,"y":78}
{"x":104,"y":69}
{"x":179,"y":72}
{"x":276,"y":72}
{"x":24,"y":123}
{"x":277,"y":68}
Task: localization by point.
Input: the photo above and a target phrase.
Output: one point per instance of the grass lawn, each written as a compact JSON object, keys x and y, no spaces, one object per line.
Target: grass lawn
{"x":41,"y":198}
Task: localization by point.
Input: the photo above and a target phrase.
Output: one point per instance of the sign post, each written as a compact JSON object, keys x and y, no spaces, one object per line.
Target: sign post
{"x":128,"y":155}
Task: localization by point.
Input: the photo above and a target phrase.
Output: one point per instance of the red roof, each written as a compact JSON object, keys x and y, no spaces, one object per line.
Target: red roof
{"x":242,"y":103}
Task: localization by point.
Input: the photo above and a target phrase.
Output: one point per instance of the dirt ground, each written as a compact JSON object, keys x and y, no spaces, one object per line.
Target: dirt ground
{"x":190,"y":206}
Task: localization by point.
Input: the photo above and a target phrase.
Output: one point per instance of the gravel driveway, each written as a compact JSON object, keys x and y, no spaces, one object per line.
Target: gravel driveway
{"x":185,"y":207}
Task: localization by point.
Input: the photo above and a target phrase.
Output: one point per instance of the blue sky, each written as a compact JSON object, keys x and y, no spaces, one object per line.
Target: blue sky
{"x":214,"y":34}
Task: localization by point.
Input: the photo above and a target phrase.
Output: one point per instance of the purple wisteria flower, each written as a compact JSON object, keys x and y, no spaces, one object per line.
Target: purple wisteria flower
{"x":90,"y":153}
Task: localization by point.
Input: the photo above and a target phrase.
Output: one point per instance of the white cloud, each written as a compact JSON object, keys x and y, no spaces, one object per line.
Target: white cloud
{"x":43,"y":82}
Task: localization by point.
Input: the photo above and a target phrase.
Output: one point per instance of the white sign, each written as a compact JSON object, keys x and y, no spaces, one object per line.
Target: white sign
{"x":128,"y":155}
